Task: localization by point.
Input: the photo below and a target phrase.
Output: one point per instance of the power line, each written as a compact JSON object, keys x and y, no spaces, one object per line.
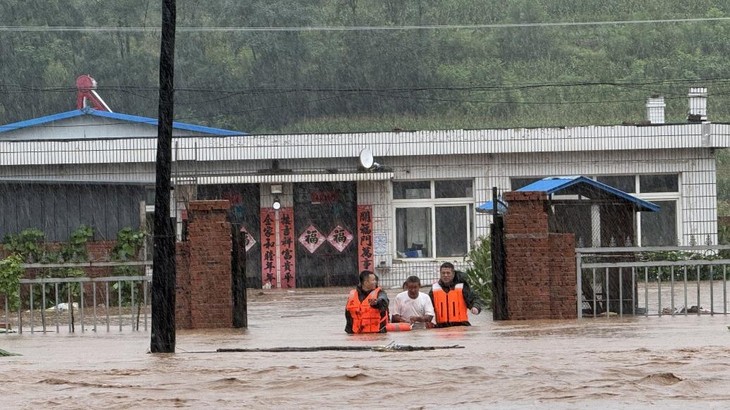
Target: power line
{"x":81,"y":29}
{"x":16,"y":88}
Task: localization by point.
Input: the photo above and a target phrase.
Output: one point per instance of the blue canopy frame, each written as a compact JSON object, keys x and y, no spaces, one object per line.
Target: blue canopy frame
{"x":574,"y":185}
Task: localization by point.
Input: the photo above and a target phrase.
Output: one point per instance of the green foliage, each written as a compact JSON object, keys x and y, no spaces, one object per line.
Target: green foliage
{"x":129,"y":243}
{"x":492,"y":77}
{"x":75,"y":249}
{"x":665,"y":274}
{"x":10,"y":273}
{"x":28,"y":247}
{"x":28,"y":244}
{"x":479,"y":273}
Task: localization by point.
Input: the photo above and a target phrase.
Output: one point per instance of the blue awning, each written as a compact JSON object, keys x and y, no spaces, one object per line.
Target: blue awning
{"x":488,"y":207}
{"x":577,"y":185}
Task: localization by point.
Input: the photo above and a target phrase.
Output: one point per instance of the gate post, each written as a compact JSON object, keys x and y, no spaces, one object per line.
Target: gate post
{"x":496,"y":231}
{"x":210,"y":287}
{"x":578,"y":285}
{"x":238,"y":277}
{"x":540,"y":265}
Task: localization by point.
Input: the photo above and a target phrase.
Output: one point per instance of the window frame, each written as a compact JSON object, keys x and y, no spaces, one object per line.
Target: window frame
{"x":467,"y":202}
{"x":654,"y":197}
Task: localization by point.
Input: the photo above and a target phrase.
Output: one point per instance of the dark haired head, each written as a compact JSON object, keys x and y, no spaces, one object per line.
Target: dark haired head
{"x":412,"y":279}
{"x":364,"y":275}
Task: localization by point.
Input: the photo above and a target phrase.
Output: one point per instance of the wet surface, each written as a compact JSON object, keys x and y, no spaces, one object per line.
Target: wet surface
{"x":672,"y":362}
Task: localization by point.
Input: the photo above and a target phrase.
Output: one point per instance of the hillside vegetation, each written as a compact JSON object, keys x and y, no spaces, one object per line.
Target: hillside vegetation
{"x":458,"y":64}
{"x":366,"y":79}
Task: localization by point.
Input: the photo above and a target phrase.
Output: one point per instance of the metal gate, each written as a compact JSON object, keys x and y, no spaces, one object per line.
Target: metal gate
{"x":652,"y":281}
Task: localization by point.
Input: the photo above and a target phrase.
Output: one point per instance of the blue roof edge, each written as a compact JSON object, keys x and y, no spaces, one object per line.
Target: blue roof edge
{"x":116,"y":116}
{"x":570,"y":181}
{"x":41,"y":120}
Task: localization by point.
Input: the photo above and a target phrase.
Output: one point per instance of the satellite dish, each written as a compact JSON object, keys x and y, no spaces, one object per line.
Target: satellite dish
{"x":366,"y":158}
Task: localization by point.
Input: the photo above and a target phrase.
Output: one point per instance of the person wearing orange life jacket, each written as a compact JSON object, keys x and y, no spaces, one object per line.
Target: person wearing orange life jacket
{"x":452,"y":300}
{"x":367,"y":306}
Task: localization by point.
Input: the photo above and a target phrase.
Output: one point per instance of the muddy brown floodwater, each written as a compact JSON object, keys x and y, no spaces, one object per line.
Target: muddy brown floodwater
{"x":669,"y":362}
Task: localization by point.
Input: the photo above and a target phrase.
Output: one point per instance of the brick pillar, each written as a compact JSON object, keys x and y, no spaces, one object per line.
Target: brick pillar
{"x":561,"y":266}
{"x":182,"y":286}
{"x":207,"y":286}
{"x":540,"y":266}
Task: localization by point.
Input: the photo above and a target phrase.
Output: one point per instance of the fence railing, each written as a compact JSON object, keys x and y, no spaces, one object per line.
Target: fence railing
{"x":79,"y":303}
{"x":652,"y":281}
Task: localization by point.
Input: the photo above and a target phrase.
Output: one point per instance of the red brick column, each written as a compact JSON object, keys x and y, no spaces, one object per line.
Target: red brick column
{"x":540,"y":266}
{"x":206,"y":287}
{"x":182,"y":286}
{"x":561,"y":266}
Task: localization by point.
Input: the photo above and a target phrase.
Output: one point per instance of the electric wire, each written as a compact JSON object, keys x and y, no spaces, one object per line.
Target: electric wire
{"x":203,"y":29}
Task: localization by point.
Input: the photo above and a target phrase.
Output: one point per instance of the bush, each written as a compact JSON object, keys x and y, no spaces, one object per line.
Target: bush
{"x":479,"y":273}
{"x":28,"y":244}
{"x":10,"y":273}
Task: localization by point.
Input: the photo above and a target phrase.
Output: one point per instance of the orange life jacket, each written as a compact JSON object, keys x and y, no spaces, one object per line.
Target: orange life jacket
{"x":365,"y":318}
{"x":449,"y":307}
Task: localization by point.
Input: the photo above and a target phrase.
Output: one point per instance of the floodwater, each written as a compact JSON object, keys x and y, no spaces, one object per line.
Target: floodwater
{"x":637,"y":362}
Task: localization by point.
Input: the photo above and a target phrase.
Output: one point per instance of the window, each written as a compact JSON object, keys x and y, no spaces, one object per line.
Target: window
{"x":453,"y":189}
{"x":412,"y":190}
{"x":659,"y":183}
{"x":660,"y":228}
{"x":626,"y":183}
{"x":451,"y":231}
{"x":433,"y":219}
{"x":413,"y":231}
{"x":517,"y":183}
{"x":655,"y":228}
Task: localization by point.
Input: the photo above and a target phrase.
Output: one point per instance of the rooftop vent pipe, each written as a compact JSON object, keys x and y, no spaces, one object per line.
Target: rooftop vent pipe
{"x":655,"y":109}
{"x":697,"y":104}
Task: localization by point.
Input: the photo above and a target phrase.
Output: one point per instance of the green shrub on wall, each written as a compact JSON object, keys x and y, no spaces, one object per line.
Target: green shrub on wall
{"x":129,"y":243}
{"x":10,"y":274}
{"x":28,"y":244}
{"x":75,"y":249}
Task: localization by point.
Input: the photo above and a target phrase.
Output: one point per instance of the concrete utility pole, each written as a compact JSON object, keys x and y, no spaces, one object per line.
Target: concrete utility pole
{"x":163,"y":273}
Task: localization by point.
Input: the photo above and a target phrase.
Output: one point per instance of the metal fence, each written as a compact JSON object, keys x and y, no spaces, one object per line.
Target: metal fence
{"x":79,"y":303}
{"x":652,"y":281}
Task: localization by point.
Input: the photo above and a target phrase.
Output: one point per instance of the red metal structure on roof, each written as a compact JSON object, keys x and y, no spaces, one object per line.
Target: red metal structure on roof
{"x":86,"y":96}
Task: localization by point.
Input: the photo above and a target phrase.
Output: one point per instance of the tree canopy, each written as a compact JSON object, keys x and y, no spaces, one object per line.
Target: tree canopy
{"x":413,"y":64}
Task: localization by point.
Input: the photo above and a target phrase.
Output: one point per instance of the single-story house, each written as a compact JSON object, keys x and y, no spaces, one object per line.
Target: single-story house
{"x":318,"y":208}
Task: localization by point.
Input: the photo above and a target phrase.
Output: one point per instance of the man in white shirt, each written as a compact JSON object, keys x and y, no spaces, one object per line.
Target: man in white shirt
{"x":412,"y":306}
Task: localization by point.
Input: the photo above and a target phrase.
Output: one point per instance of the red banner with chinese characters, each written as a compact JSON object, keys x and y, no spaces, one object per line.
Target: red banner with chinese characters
{"x":365,"y":238}
{"x":277,"y":262}
{"x":286,"y":257}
